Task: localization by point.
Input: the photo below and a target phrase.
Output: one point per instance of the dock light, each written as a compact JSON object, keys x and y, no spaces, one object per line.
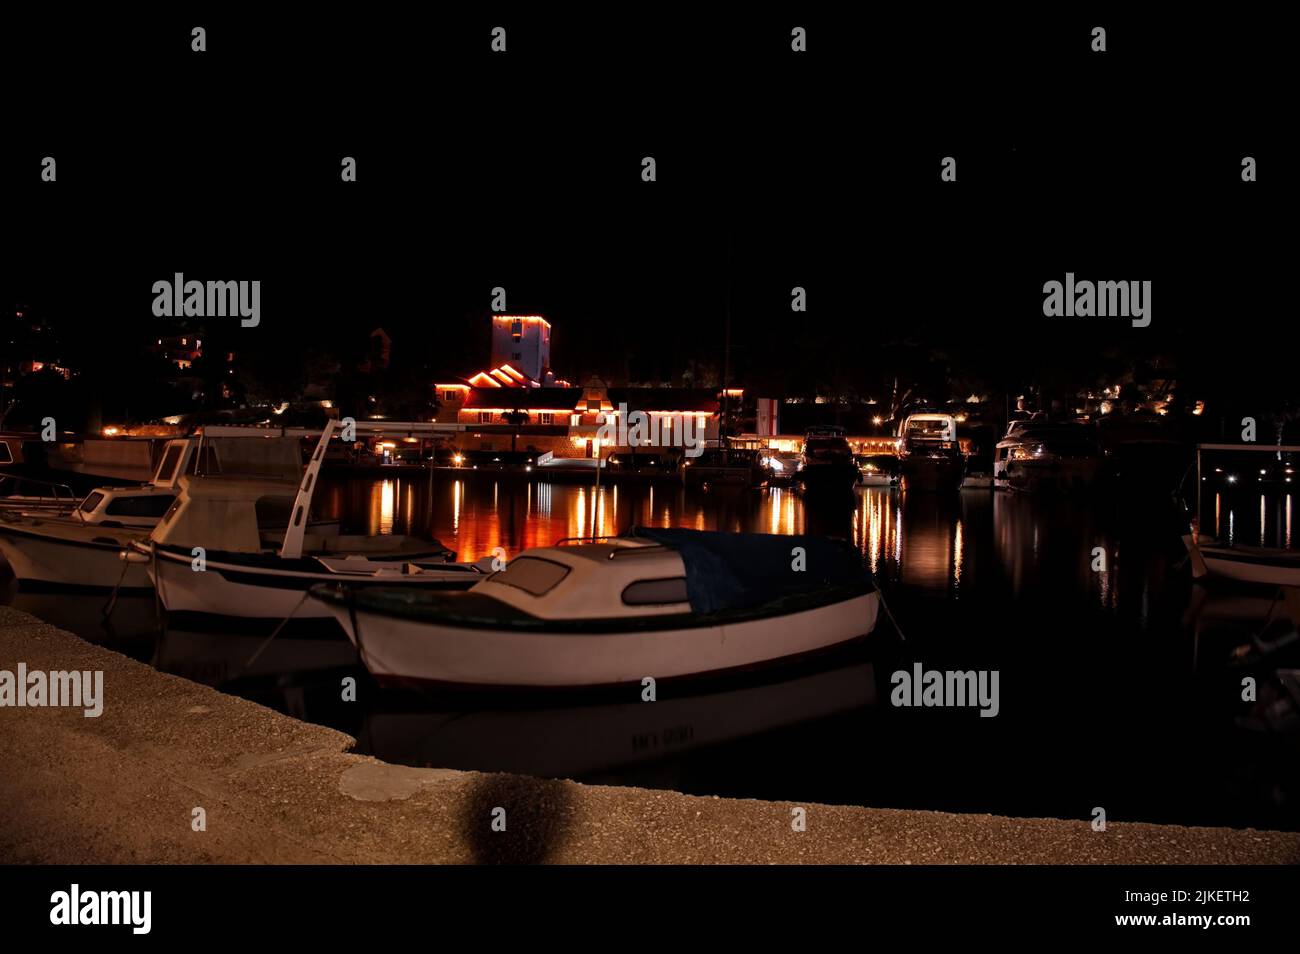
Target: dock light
{"x":457,"y":459}
{"x":1232,"y":478}
{"x":877,"y":420}
{"x":528,"y":468}
{"x":111,"y":431}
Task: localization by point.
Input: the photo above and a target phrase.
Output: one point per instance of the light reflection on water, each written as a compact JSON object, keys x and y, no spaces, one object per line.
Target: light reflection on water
{"x":952,"y":547}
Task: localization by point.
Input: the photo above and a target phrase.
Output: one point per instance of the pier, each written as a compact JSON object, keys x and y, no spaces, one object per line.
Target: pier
{"x":123,"y":789}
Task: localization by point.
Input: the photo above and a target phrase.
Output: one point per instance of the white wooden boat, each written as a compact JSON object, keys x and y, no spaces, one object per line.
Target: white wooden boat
{"x":81,"y":548}
{"x":658,"y":603}
{"x":1271,"y":566}
{"x":246,"y":548}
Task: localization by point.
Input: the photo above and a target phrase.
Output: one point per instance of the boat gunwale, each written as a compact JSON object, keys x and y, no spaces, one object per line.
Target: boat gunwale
{"x":515,"y":620}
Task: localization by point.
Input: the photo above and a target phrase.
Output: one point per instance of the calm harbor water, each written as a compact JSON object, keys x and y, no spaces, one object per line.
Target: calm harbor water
{"x":1115,"y":687}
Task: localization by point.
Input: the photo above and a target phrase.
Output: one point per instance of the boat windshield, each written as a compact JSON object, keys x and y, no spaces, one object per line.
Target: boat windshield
{"x":532,"y":575}
{"x":935,"y":430}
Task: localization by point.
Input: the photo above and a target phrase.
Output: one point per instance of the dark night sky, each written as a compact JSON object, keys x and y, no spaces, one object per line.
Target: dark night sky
{"x":774,"y":171}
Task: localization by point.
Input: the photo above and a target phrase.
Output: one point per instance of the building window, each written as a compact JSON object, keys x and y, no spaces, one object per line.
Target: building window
{"x":544,"y":417}
{"x":485,"y":417}
{"x":449,"y":396}
{"x":517,"y":329}
{"x":516,"y":355}
{"x":574,"y":419}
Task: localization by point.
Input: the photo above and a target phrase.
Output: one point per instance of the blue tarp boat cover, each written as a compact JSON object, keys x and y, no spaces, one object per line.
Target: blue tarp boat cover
{"x":734,"y":570}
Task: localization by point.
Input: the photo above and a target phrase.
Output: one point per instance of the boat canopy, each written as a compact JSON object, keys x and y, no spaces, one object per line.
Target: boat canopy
{"x":226,"y":513}
{"x":726,"y":571}
{"x":938,"y":427}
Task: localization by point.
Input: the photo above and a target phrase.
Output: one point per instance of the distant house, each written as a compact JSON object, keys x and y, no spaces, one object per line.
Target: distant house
{"x":520,"y":404}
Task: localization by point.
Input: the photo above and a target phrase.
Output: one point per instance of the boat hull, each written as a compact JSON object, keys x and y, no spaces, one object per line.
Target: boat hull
{"x":1245,"y":565}
{"x":227,"y":589}
{"x":404,"y":650}
{"x":58,"y":561}
{"x":1063,"y":474}
{"x":824,"y":478}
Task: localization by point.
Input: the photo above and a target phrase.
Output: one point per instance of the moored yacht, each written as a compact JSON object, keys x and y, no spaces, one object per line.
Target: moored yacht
{"x":930,"y":453}
{"x":877,"y":470}
{"x":658,"y":603}
{"x":1039,"y":454}
{"x":827,"y":460}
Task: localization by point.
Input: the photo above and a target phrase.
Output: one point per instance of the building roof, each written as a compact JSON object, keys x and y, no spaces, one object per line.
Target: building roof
{"x":542,"y":399}
{"x":671,"y":400}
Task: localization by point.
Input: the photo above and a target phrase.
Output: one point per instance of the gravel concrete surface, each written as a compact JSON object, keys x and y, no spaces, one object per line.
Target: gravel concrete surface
{"x":122,"y":789}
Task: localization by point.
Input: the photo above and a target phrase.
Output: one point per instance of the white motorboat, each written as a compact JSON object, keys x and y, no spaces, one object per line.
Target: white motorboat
{"x":877,"y":470}
{"x":930,"y":453}
{"x":1039,"y":454}
{"x":1210,"y":557}
{"x":244,"y":548}
{"x":81,"y":547}
{"x":658,"y":603}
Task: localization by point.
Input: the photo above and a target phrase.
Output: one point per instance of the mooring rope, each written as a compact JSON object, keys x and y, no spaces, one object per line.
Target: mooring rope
{"x":885,"y":606}
{"x":274,"y":633}
{"x":107,"y":609}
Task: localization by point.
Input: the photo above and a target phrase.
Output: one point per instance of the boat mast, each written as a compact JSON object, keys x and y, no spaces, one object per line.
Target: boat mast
{"x":292,"y":548}
{"x":1196,"y":535}
{"x":726,"y":360}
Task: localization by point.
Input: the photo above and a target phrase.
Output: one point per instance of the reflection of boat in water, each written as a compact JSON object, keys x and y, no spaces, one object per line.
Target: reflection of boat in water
{"x":1039,"y":454}
{"x":218,"y":658}
{"x":930,"y":453}
{"x":133,"y":618}
{"x":1213,"y":558}
{"x":661,"y":603}
{"x":579,"y":740}
{"x":1278,"y":707}
{"x":1243,"y":627}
